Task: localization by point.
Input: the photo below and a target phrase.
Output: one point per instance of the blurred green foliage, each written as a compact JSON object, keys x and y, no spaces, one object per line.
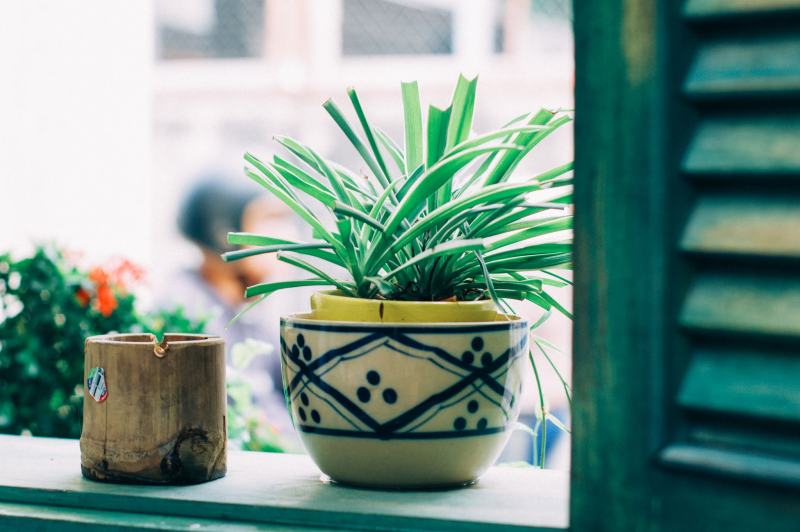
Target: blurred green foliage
{"x":47,"y":308}
{"x":248,"y":426}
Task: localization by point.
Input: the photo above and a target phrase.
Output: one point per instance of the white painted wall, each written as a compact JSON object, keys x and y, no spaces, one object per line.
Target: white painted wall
{"x":75,"y":125}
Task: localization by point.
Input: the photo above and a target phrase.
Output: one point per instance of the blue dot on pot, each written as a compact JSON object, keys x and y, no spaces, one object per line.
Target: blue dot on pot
{"x":315,"y":416}
{"x":460,"y":423}
{"x":373,"y":377}
{"x":302,"y":413}
{"x":304,"y":398}
{"x":295,"y":352}
{"x":486,"y":359}
{"x":468,"y":357}
{"x":363,"y":394}
{"x":482,"y":423}
{"x":307,"y":353}
{"x":389,"y":395}
{"x":301,"y":340}
{"x":472,"y":406}
{"x":477,"y":343}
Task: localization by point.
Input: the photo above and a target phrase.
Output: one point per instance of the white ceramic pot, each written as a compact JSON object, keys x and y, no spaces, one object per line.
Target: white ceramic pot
{"x":404,"y":405}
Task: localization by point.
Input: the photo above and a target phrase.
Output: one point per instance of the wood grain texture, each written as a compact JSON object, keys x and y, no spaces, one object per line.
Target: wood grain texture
{"x":736,"y":68}
{"x":745,"y":305}
{"x":732,"y":433}
{"x":646,"y":157}
{"x":783,"y":471}
{"x":50,"y":518}
{"x":265,"y":488}
{"x":620,"y":268}
{"x":740,"y":146}
{"x":744,"y":225}
{"x":701,"y":10}
{"x":741,"y":382}
{"x":164,"y":418}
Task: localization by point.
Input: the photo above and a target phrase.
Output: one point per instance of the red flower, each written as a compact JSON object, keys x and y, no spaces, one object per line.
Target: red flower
{"x":82,"y":296}
{"x":106,"y":302}
{"x":98,"y":276}
{"x":108,"y":282}
{"x":126,"y":273}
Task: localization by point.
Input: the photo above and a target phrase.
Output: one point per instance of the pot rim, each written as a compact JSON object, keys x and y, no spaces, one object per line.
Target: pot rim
{"x":139,"y":339}
{"x":302,"y":320}
{"x":335,"y":295}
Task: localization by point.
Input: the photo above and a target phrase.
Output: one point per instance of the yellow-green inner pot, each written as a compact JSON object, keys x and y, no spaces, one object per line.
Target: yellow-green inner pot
{"x":332,"y":306}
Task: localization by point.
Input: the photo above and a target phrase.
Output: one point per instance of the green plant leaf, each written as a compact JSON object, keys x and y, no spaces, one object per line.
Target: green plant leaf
{"x":393,"y":149}
{"x":540,"y":344}
{"x":412,"y":111}
{"x":231,"y":256}
{"x":451,"y":187}
{"x":344,"y":125}
{"x":266,"y":289}
{"x":526,"y":140}
{"x":295,"y":177}
{"x":370,"y":134}
{"x":557,"y":422}
{"x":448,"y":248}
{"x":556,"y":305}
{"x":250,"y":239}
{"x":497,"y":193}
{"x":345,"y":287}
{"x":438,"y":120}
{"x":333,"y":178}
{"x":462,"y":108}
{"x":298,"y":208}
{"x":532,"y":230}
{"x":346,"y":210}
{"x":433,"y":178}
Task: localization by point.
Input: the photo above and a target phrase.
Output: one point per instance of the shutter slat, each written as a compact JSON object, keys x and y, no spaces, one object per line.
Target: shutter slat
{"x":756,"y":67}
{"x":733,"y":433}
{"x":742,"y":382}
{"x":746,"y":146}
{"x":751,"y":305}
{"x":739,"y":224}
{"x":739,"y":397}
{"x":711,"y":9}
{"x":710,"y":90}
{"x":743,"y":464}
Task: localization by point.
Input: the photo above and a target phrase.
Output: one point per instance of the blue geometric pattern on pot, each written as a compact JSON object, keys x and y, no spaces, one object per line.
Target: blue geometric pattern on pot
{"x":476,"y":399}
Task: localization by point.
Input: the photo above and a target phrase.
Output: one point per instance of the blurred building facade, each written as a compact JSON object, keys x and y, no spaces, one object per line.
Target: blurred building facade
{"x":230,"y":75}
{"x":115,"y":107}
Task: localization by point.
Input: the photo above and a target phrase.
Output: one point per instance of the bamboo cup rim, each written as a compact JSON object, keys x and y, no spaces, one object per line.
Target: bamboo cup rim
{"x":149,"y":339}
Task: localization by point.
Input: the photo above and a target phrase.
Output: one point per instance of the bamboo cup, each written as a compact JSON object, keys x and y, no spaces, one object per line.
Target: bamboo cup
{"x":154,"y":413}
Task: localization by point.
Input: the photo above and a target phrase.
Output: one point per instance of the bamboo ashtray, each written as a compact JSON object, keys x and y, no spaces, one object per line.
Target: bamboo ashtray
{"x":154,"y":413}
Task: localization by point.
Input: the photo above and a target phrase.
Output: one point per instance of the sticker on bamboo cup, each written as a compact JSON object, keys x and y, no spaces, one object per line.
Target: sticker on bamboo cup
{"x":96,"y":384}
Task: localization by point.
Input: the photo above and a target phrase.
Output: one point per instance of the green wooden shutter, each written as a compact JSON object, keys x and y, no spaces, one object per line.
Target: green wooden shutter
{"x":687,"y":332}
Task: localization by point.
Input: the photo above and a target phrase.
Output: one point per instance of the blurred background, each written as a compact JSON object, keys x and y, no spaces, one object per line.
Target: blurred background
{"x":112,"y":112}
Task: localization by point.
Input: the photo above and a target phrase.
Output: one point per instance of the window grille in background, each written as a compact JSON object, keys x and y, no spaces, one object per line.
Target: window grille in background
{"x":555,"y":9}
{"x":499,"y":29}
{"x":387,"y":27}
{"x":209,"y":29}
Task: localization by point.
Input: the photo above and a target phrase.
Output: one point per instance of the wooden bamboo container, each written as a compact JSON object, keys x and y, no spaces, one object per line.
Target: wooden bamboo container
{"x":154,"y":413}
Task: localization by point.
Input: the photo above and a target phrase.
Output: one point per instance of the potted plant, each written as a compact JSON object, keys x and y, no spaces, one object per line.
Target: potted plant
{"x":407,"y":370}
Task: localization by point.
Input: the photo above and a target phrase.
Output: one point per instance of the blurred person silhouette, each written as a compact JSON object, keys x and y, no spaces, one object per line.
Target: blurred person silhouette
{"x":214,"y":290}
